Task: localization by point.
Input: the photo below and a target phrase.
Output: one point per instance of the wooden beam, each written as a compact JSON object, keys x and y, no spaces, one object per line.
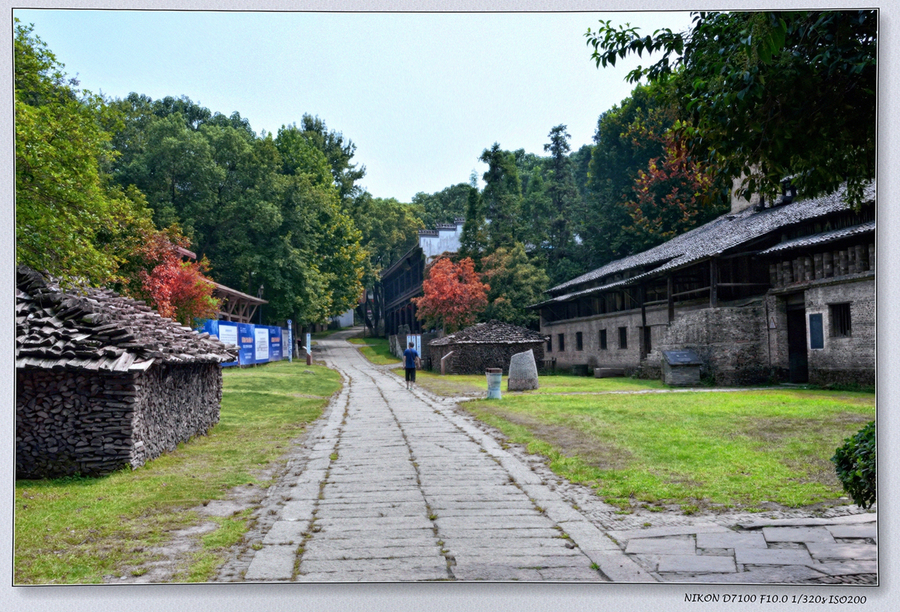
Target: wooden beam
{"x":713,"y":282}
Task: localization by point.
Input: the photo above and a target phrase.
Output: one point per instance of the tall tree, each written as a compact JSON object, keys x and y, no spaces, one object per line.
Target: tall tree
{"x":565,"y":205}
{"x":768,"y":95}
{"x":473,"y":240}
{"x":444,"y":206}
{"x":501,"y":196}
{"x":615,"y":162}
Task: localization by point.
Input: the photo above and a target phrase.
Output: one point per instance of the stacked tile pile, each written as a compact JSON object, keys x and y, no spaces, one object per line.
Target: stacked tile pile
{"x":486,"y":345}
{"x":104,"y":381}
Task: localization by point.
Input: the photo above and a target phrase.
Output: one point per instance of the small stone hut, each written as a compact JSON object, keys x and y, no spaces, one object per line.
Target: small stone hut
{"x":485,"y":345}
{"x":103,"y":381}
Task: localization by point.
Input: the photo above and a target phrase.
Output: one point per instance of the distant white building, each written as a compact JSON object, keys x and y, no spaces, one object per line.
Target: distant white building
{"x":443,"y":239}
{"x":344,"y":320}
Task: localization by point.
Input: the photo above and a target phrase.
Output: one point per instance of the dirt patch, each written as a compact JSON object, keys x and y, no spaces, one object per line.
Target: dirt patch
{"x":569,"y":441}
{"x":774,"y":430}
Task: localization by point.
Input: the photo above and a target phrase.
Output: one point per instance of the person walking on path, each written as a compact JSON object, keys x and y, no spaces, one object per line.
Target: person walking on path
{"x":412,"y":359}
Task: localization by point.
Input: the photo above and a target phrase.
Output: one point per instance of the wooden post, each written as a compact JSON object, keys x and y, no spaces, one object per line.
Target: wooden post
{"x":670,"y":288}
{"x":713,"y":283}
{"x":642,"y":295}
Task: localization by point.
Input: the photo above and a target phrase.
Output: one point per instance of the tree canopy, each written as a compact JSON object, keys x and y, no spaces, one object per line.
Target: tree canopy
{"x":767,"y":95}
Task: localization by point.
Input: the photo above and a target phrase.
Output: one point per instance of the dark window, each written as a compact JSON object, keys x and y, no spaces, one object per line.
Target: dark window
{"x":549,"y":344}
{"x":647,"y":347}
{"x":602,"y":339}
{"x":561,"y":341}
{"x":579,"y":341}
{"x":840,"y":320}
{"x":623,"y":337}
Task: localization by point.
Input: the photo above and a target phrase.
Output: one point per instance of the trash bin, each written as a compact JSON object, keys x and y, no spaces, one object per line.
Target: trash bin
{"x":494,"y":378}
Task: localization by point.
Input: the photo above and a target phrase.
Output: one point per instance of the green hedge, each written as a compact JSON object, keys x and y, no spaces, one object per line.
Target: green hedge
{"x":855,"y":465}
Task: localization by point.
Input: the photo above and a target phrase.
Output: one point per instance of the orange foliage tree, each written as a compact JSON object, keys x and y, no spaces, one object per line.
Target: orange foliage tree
{"x":454,"y":295}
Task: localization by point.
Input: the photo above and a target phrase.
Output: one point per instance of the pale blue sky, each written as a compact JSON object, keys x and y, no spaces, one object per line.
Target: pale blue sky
{"x":421,"y":95}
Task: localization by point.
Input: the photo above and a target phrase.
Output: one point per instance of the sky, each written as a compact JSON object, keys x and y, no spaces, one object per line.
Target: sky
{"x":420,"y":95}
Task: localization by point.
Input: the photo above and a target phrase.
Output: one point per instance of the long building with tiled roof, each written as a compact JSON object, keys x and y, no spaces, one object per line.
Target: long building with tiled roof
{"x":784,"y":291}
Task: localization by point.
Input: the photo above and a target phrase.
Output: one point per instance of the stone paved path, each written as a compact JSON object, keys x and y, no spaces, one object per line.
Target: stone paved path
{"x":398,"y":485}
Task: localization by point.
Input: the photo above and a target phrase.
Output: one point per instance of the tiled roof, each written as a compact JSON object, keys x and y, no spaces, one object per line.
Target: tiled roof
{"x":714,"y":238}
{"x":492,"y":332}
{"x":97,"y":329}
{"x":823,"y":238}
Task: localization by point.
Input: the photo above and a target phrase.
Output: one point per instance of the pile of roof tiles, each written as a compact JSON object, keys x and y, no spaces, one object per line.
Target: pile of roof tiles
{"x":103,"y":381}
{"x":97,"y":329}
{"x":492,"y":332}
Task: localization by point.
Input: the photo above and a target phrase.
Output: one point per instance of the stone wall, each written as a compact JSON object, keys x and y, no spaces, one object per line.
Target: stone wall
{"x":849,"y":359}
{"x":90,"y":423}
{"x":613,"y":356}
{"x":475,"y":358}
{"x":730,"y":340}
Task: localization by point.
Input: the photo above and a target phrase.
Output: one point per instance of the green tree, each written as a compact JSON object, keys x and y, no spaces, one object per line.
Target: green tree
{"x":444,"y":206}
{"x":501,"y":196}
{"x":565,"y":205}
{"x":768,"y":95}
{"x":473,"y":239}
{"x":515,"y":283}
{"x":70,"y":220}
{"x":616,"y":159}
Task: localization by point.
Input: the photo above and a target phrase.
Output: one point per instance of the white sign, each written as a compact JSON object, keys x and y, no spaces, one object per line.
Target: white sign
{"x":228,"y":334}
{"x":262,"y":344}
{"x":416,"y":340}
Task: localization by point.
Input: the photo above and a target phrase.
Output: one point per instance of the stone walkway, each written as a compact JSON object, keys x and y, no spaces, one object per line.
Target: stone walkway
{"x":398,"y":485}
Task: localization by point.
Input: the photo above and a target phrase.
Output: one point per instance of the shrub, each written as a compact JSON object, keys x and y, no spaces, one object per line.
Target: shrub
{"x":855,"y":466}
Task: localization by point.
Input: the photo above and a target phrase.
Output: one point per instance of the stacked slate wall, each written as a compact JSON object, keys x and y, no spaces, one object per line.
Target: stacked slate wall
{"x":176,"y":403}
{"x":71,"y":422}
{"x":90,"y":423}
{"x":475,"y":358}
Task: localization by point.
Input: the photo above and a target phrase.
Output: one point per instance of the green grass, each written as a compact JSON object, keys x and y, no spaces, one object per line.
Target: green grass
{"x":78,"y":530}
{"x":471,"y":384}
{"x":376,"y":350}
{"x":693,"y":450}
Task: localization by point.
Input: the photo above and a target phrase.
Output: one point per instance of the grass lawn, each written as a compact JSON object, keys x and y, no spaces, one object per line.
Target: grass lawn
{"x":696,"y":450}
{"x":78,"y":530}
{"x":376,"y":350}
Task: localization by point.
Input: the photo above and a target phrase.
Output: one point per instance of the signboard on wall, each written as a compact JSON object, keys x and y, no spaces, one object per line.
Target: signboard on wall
{"x":816,"y":332}
{"x":261,"y":336}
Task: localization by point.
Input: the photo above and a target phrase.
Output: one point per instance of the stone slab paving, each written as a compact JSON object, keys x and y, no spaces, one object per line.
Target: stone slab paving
{"x":397,"y":485}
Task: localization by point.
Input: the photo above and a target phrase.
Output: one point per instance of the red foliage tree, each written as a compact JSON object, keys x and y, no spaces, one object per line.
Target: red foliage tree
{"x":176,"y":289}
{"x":453,"y":297}
{"x":672,"y":196}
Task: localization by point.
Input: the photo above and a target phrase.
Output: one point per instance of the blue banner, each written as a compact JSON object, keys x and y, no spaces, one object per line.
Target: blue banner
{"x":256,"y":343}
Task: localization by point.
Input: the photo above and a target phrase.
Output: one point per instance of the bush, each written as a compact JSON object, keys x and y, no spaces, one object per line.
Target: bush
{"x":855,"y":466}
